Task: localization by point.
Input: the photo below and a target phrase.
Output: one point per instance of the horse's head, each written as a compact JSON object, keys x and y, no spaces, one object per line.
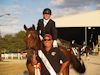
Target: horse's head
{"x":32,"y":38}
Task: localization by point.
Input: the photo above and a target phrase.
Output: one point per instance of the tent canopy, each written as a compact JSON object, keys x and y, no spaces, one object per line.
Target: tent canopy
{"x":88,"y":19}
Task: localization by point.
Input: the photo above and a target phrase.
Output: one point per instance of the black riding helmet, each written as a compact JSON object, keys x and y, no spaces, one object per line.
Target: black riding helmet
{"x":47,"y":11}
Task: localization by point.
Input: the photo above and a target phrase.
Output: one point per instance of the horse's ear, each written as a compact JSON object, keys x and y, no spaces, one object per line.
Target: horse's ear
{"x":25,"y":27}
{"x":33,"y":26}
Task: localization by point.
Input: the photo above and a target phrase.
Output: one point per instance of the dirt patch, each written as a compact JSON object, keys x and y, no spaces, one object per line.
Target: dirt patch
{"x":13,"y":67}
{"x":18,"y":67}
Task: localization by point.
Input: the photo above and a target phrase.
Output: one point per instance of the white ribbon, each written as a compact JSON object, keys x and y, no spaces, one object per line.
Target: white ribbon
{"x":37,"y":70}
{"x":46,"y":63}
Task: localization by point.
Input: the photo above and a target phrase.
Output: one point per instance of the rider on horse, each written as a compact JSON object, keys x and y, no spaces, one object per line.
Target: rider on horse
{"x":47,"y":26}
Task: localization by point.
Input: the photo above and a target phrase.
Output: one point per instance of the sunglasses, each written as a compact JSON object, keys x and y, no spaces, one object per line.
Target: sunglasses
{"x":47,"y":39}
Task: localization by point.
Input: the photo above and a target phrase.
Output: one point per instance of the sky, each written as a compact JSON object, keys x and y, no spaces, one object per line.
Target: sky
{"x":15,"y":13}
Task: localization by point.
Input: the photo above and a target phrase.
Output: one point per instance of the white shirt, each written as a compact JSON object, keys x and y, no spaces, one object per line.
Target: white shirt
{"x":45,"y":22}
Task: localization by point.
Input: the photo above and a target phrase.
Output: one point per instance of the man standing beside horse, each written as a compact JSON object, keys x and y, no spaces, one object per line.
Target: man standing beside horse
{"x":50,"y":57}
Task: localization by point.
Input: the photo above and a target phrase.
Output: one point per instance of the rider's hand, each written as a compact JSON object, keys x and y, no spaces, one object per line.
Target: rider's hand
{"x":55,"y":43}
{"x":41,"y":38}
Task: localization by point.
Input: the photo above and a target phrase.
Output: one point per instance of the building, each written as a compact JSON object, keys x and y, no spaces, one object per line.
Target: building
{"x":79,"y":27}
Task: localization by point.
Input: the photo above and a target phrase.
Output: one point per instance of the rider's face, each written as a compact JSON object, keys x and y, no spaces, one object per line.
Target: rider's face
{"x":46,"y":16}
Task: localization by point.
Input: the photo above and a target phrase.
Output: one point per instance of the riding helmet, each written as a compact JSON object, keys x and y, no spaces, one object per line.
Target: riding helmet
{"x":47,"y":11}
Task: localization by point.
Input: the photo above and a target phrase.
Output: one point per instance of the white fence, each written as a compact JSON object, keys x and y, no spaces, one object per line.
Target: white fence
{"x":13,"y":55}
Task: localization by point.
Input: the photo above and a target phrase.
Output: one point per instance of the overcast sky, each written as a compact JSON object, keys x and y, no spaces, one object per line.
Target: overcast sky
{"x":29,"y":11}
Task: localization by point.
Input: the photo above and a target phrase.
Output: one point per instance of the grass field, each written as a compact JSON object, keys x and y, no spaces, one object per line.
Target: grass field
{"x":18,"y":67}
{"x":13,"y":67}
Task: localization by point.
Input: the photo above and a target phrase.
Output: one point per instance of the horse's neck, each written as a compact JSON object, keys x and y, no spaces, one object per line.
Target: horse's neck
{"x":39,"y":45}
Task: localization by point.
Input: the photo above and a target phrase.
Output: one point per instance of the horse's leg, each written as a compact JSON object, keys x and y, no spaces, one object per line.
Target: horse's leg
{"x":77,"y":64}
{"x":30,"y":69}
{"x":87,"y":54}
{"x":29,"y":63}
{"x":66,"y":70}
{"x":78,"y":53}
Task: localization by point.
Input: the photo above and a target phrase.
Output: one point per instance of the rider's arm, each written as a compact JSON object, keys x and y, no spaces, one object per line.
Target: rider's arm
{"x":54,"y":31}
{"x":39,"y":29}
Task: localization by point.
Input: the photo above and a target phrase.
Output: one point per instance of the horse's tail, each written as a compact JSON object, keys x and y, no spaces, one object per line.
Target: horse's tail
{"x":77,"y":64}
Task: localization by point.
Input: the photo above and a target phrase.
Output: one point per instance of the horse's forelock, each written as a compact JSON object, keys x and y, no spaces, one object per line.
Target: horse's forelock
{"x":31,"y":28}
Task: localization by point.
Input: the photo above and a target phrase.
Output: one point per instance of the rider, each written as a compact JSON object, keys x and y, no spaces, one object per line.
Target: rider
{"x":47,"y":26}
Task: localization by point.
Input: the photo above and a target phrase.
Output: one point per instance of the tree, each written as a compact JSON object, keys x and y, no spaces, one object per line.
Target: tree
{"x":8,"y":39}
{"x":12,"y":43}
{"x":2,"y":46}
{"x":20,"y":40}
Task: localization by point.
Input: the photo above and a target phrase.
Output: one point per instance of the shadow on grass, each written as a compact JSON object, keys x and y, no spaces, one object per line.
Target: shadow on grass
{"x":25,"y":73}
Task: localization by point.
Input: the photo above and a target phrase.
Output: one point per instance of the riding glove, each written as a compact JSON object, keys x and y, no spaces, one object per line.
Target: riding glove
{"x":55,"y":43}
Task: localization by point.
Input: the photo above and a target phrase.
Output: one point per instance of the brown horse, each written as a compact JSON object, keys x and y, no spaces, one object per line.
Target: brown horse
{"x":33,"y":44}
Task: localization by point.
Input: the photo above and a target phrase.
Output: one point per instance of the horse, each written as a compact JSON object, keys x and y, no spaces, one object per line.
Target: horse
{"x":33,"y":44}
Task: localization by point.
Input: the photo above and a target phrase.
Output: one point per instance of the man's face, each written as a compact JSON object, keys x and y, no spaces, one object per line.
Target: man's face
{"x":46,"y":16}
{"x":48,"y":42}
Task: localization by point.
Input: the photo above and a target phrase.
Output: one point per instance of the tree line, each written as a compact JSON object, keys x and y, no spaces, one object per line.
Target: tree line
{"x":12,"y":43}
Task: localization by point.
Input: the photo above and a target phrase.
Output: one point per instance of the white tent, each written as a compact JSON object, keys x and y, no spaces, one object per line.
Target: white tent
{"x":87,"y":19}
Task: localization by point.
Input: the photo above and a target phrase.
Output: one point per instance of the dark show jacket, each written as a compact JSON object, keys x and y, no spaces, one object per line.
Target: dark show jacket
{"x":48,"y":29}
{"x":54,"y":56}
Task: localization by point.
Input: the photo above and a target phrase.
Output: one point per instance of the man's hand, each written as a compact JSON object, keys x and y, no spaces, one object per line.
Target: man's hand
{"x":60,"y":73}
{"x":63,"y":66}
